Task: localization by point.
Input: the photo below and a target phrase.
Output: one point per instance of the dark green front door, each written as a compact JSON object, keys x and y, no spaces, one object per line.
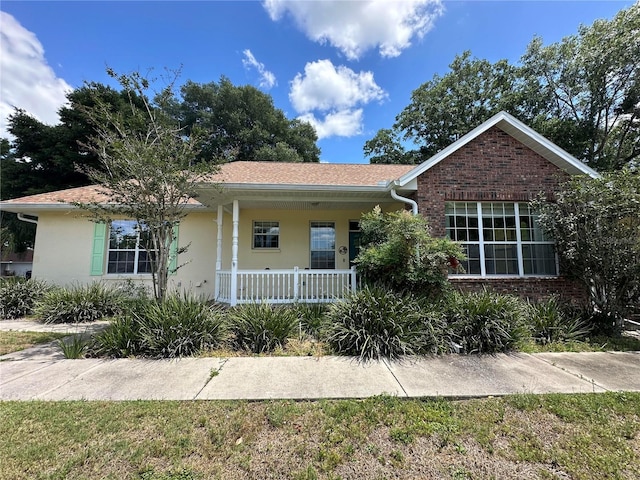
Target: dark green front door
{"x":354,"y":246}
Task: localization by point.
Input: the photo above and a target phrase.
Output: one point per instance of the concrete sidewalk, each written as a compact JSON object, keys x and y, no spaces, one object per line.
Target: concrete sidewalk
{"x":42,"y":373}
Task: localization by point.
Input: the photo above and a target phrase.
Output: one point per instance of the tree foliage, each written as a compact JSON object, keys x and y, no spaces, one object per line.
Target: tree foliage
{"x":241,"y":123}
{"x":149,"y":169}
{"x":446,"y":108}
{"x":593,"y":81}
{"x":582,"y":92}
{"x":596,"y":226}
{"x":398,"y":252}
{"x":44,"y":158}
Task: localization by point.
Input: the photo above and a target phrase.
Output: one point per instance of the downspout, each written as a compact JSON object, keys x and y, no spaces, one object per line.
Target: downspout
{"x":25,"y":219}
{"x":414,"y":209}
{"x":414,"y":205}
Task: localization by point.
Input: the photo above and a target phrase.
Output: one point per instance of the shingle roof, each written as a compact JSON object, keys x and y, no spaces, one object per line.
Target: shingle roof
{"x":86,"y":194}
{"x":250,"y":173}
{"x":275,"y":173}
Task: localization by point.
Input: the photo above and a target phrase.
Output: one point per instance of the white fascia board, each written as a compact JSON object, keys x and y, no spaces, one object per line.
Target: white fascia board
{"x":243,"y":187}
{"x":62,"y":207}
{"x":554,"y":153}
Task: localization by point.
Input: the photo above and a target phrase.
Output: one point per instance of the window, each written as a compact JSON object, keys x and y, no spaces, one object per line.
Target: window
{"x":323,"y":245}
{"x":266,"y":234}
{"x":127,"y":253}
{"x":500,"y":239}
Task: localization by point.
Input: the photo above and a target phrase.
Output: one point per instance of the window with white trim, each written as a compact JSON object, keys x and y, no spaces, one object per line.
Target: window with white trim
{"x":323,"y":245}
{"x":127,"y":253}
{"x":266,"y":234}
{"x":500,"y":238}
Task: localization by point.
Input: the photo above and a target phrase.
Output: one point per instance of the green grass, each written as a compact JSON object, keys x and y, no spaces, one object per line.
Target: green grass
{"x":580,"y":436}
{"x":599,"y":343}
{"x":12,"y":341}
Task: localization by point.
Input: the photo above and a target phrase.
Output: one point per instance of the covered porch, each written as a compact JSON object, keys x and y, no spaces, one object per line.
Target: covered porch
{"x":289,"y":233}
{"x":263,"y":273}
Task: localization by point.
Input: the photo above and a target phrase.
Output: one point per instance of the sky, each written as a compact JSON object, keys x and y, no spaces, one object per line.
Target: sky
{"x":347,"y":67}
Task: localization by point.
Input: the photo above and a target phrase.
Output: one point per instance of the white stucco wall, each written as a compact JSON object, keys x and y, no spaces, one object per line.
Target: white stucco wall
{"x":63,"y":248}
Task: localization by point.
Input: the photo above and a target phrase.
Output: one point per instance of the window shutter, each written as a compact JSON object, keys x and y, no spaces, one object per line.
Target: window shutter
{"x":97,"y":253}
{"x":173,"y":251}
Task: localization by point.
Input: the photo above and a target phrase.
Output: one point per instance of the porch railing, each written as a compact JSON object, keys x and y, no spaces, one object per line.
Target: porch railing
{"x":284,"y":286}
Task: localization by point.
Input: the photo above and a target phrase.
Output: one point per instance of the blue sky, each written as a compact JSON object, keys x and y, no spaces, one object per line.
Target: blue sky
{"x":348,"y":67}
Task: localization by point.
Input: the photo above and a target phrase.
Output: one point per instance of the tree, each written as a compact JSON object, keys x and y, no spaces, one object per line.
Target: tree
{"x":16,"y":236}
{"x":398,"y":252}
{"x":45,"y":158}
{"x":51,"y":157}
{"x":583,"y":93}
{"x":596,"y":226}
{"x":446,"y":108}
{"x":593,"y":81}
{"x":241,"y":123}
{"x":386,"y":147}
{"x":149,"y":172}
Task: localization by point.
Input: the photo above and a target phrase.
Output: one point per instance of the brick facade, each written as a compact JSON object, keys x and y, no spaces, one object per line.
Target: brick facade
{"x":493,"y":167}
{"x":532,"y":288}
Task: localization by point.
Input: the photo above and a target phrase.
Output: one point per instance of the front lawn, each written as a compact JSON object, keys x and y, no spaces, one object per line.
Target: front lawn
{"x":581,"y":436}
{"x":12,"y":341}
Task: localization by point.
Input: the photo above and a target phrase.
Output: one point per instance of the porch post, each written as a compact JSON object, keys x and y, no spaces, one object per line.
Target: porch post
{"x":218,"y":252}
{"x":354,"y":279}
{"x":234,"y":254}
{"x":296,"y":280}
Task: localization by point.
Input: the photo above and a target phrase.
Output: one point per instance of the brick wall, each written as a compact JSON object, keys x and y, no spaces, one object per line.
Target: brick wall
{"x":530,"y":288}
{"x":493,"y":167}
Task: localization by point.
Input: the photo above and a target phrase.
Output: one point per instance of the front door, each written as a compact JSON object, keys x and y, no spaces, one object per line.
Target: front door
{"x":354,"y":246}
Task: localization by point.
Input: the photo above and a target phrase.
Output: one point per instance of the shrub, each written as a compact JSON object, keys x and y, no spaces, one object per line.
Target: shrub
{"x":74,"y":347}
{"x":486,"y":322}
{"x":179,"y":326}
{"x":374,"y":323}
{"x":80,"y":303}
{"x":437,"y":337}
{"x":121,"y":339}
{"x":398,"y":252}
{"x":551,"y":321}
{"x":312,"y":317}
{"x":260,"y":327}
{"x":19,"y":296}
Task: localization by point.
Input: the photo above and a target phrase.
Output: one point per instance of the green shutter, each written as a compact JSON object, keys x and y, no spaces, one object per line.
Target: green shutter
{"x":99,"y":244}
{"x":173,"y":251}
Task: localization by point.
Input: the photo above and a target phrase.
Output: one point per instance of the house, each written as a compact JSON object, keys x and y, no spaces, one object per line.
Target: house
{"x":16,"y":264}
{"x":289,"y":231}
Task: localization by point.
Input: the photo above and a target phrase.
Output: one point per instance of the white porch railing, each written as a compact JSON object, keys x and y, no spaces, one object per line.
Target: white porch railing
{"x":285,"y":286}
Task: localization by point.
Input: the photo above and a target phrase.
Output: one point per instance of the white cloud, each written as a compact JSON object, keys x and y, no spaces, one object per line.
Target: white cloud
{"x":324,"y":87}
{"x":28,"y":82}
{"x":354,"y":27}
{"x":343,"y":123}
{"x":267,"y":78}
{"x":334,"y":93}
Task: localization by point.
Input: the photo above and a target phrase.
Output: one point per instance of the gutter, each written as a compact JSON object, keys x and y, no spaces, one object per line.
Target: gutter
{"x":25,"y":219}
{"x":414,"y":205}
